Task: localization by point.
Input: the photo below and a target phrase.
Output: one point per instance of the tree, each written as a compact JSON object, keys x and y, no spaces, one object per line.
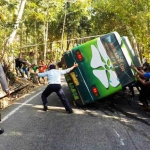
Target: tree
{"x":21,"y":5}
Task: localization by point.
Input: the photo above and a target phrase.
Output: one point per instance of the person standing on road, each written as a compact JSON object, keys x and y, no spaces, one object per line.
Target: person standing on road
{"x":54,"y":81}
{"x":4,"y":86}
{"x":42,"y":68}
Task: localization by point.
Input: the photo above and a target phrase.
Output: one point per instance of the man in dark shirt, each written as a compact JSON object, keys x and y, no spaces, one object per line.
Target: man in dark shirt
{"x":18,"y":65}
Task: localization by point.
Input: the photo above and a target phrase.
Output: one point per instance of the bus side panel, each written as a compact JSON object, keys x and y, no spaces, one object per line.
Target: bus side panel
{"x":103,"y":65}
{"x":97,"y":70}
{"x":112,"y":43}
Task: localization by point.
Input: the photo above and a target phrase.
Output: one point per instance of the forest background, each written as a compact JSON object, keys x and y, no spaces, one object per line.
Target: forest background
{"x":45,"y":29}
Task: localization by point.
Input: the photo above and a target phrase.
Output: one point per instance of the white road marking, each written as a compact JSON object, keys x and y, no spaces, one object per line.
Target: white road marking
{"x":121,"y":140}
{"x":12,"y":112}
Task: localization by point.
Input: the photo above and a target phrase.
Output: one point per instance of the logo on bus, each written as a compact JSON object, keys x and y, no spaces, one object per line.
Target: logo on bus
{"x":102,"y":66}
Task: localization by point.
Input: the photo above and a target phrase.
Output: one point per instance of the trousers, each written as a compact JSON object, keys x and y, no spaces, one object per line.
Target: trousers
{"x":59,"y":91}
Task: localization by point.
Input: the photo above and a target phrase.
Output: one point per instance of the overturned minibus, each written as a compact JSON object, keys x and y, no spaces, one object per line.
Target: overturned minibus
{"x":103,"y":68}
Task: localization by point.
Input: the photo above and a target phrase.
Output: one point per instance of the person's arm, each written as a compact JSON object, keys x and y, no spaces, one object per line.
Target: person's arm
{"x":3,"y":81}
{"x":32,"y":71}
{"x":37,"y":74}
{"x":74,"y":66}
{"x":27,"y":63}
{"x":142,"y":80}
{"x":138,"y":72}
{"x":69,"y":69}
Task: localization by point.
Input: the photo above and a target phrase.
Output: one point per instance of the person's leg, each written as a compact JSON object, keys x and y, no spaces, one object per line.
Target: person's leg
{"x":132,"y":92}
{"x":143,"y":98}
{"x":21,"y":72}
{"x":26,"y":72}
{"x":138,"y":85}
{"x":39,"y":80}
{"x":146,"y":98}
{"x":17,"y":71}
{"x":1,"y":129}
{"x":63,"y":99}
{"x":44,"y":96}
{"x":43,"y":79}
{"x":35,"y":80}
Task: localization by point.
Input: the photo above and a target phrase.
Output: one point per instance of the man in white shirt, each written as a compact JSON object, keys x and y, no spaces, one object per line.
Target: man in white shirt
{"x":54,"y":80}
{"x":4,"y":85}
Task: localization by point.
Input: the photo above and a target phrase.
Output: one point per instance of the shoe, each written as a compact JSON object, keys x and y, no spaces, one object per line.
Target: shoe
{"x":70,"y":111}
{"x":45,"y":108}
{"x":1,"y":131}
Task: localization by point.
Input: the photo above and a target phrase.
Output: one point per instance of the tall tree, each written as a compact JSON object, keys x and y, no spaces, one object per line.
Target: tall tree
{"x":21,"y":5}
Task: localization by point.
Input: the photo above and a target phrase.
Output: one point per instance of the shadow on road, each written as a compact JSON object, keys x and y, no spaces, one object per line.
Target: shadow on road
{"x":118,"y":105}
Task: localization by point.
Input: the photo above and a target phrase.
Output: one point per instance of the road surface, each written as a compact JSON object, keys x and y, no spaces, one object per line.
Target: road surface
{"x":108,"y":125}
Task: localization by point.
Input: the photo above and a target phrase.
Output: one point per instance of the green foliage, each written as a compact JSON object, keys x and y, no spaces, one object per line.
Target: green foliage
{"x":81,"y":18}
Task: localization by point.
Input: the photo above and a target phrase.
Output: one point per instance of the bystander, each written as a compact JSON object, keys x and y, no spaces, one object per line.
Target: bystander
{"x":4,"y":85}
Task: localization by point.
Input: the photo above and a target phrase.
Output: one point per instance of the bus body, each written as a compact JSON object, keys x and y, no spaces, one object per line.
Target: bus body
{"x":102,"y":69}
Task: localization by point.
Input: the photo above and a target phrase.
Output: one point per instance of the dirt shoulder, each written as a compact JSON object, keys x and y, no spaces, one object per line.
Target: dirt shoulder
{"x":20,"y":87}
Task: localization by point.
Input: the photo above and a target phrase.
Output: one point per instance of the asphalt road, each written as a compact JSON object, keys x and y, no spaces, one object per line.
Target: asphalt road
{"x":113,"y":124}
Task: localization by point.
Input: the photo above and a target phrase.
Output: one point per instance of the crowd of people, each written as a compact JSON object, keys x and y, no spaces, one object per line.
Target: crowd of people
{"x":53,"y":75}
{"x":142,"y":83}
{"x":36,"y":73}
{"x":23,"y":66}
{"x":42,"y":71}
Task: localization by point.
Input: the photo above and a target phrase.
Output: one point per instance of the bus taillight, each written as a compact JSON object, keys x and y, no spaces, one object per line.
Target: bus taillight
{"x":79,"y":55}
{"x":95,"y":90}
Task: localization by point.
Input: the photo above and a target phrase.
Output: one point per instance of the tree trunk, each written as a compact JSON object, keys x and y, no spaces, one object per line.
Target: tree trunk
{"x":135,"y":47}
{"x":45,"y":39}
{"x":34,"y":61}
{"x":19,"y":17}
{"x":63,"y":29}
